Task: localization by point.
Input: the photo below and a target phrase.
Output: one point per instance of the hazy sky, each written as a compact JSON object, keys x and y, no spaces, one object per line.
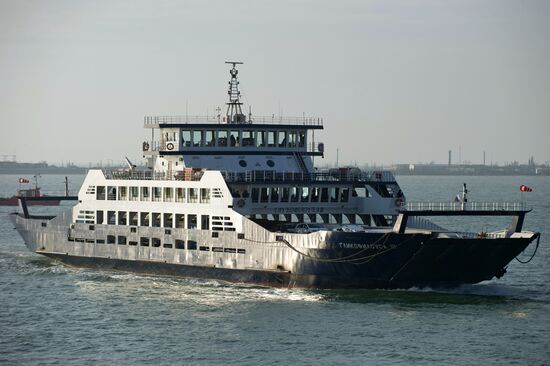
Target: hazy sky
{"x":396,"y":81}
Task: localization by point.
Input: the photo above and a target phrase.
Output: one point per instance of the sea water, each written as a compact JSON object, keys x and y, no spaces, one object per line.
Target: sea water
{"x":52,"y":314}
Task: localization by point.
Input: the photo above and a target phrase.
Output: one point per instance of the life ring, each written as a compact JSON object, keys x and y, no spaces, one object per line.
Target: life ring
{"x":240,"y":202}
{"x":398,"y":202}
{"x":170,"y":146}
{"x":145,"y":146}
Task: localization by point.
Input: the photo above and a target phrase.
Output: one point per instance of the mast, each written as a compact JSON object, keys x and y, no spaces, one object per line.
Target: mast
{"x":234,"y":112}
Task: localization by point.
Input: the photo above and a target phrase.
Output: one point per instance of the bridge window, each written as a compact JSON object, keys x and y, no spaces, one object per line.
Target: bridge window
{"x":222,"y":138}
{"x":248,"y":138}
{"x":186,"y":138}
{"x":261,"y":139}
{"x":234,"y":138}
{"x":271,"y":136}
{"x":197,"y":140}
{"x":209,"y":138}
{"x":282,"y":139}
{"x":292,"y":139}
{"x":301,"y":139}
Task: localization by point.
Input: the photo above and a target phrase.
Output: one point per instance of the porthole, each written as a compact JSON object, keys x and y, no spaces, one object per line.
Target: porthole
{"x":270,"y":163}
{"x":242,"y":163}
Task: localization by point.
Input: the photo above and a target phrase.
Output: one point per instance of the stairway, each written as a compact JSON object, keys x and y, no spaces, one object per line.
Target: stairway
{"x":300,"y":161}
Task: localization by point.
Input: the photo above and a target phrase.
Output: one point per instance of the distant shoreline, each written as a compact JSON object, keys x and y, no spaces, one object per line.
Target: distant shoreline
{"x":44,"y":171}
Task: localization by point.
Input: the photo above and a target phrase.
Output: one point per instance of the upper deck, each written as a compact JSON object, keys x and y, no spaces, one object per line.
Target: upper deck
{"x":233,"y":141}
{"x":258,"y":122}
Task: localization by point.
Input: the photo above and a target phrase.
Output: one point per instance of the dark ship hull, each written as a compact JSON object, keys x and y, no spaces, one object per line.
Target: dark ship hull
{"x":14,"y":201}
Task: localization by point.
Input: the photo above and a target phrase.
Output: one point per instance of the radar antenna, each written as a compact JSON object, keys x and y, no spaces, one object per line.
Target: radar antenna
{"x":234,"y":112}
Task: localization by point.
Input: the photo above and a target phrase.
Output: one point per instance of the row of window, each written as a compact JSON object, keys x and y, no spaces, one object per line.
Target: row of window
{"x":156,"y":243}
{"x":155,"y":194}
{"x":238,"y":138}
{"x":166,"y":220}
{"x":299,"y":194}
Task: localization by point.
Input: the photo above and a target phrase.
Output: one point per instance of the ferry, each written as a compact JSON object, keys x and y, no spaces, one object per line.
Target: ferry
{"x":237,"y":198}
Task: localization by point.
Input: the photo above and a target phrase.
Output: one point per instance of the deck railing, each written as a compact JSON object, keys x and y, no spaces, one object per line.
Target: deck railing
{"x":254,"y":176}
{"x":149,"y":175}
{"x":468,"y":206}
{"x":332,"y":175}
{"x":276,"y":120}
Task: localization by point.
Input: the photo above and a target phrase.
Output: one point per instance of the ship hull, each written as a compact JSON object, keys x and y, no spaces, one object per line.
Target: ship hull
{"x":334,"y":261}
{"x":434,"y":263}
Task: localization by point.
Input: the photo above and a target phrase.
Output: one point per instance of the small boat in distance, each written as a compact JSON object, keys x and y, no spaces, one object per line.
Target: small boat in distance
{"x":29,"y":194}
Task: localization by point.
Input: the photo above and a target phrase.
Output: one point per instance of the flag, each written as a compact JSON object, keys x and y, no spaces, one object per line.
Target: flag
{"x":457,"y":198}
{"x":23,"y":180}
{"x":524,"y":188}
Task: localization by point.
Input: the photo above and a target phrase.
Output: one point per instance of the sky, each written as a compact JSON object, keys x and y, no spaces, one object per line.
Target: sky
{"x":395,"y":81}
